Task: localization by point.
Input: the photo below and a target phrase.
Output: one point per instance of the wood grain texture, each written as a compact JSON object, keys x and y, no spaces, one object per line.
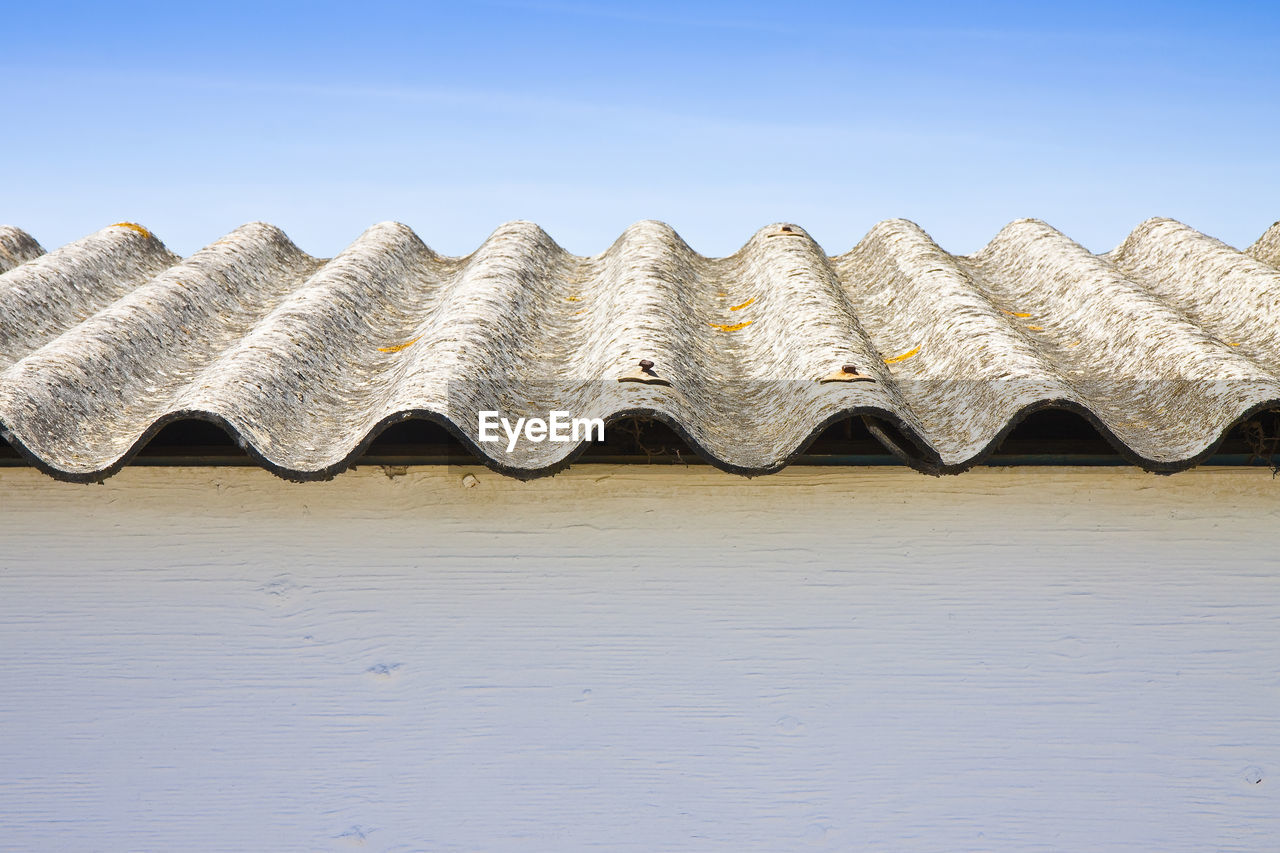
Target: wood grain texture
{"x":641,"y":659}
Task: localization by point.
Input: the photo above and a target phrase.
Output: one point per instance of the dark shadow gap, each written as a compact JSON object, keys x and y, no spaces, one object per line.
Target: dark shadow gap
{"x":192,"y":442}
{"x":1055,"y":432}
{"x":850,"y":437}
{"x":1045,"y":437}
{"x":415,"y":442}
{"x":635,"y":439}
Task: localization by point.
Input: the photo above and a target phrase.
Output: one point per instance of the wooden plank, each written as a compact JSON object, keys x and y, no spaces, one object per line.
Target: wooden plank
{"x":641,"y":659}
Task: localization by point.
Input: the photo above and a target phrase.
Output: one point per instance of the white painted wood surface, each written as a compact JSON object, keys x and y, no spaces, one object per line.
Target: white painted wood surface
{"x":641,"y":659}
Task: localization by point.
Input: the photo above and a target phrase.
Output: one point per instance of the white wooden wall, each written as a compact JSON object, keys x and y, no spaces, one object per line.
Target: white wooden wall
{"x":641,"y":659}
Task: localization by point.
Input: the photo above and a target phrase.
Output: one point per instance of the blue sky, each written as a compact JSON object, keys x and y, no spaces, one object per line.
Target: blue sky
{"x":716,"y":117}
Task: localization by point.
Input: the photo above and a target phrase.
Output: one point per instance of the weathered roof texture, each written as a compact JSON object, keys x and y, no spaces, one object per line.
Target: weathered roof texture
{"x":1164,"y":343}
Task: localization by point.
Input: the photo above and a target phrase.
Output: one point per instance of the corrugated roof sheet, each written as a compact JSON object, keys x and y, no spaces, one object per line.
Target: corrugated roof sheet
{"x":1163,"y":343}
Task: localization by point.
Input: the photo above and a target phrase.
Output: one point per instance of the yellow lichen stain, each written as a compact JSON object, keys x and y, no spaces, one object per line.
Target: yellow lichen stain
{"x":899,"y":358}
{"x":735,"y":327}
{"x":574,"y":298}
{"x":1022,"y":314}
{"x":1230,"y":344}
{"x":398,"y":347}
{"x":1036,"y":328}
{"x":583,"y":311}
{"x":743,"y":305}
{"x":1074,"y":344}
{"x":133,"y":226}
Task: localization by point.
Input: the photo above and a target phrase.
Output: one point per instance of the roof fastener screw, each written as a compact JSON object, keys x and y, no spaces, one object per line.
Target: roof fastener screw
{"x":849,"y":368}
{"x":785,"y":228}
{"x":646,"y":364}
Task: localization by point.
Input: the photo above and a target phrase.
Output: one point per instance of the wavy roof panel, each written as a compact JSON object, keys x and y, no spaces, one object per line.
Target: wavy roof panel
{"x":1163,"y":343}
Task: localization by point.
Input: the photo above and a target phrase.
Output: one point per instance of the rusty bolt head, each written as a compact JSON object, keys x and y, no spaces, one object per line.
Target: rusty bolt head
{"x":646,"y":364}
{"x":785,"y":228}
{"x":849,"y":368}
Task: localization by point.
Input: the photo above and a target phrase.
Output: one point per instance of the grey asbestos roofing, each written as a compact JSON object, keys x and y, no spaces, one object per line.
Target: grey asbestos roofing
{"x":1163,"y":343}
